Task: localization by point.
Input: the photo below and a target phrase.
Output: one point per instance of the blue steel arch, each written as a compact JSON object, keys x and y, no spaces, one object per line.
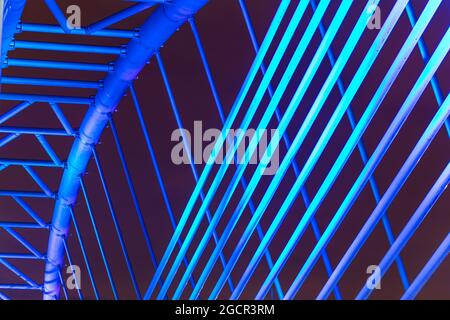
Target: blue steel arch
{"x":153,"y":34}
{"x":145,"y":43}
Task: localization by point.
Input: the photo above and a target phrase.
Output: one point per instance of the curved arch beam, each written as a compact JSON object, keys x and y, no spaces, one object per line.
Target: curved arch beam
{"x":154,"y":33}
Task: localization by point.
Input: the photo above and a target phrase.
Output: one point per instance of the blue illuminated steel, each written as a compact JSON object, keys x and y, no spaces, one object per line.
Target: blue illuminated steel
{"x":97,"y":237}
{"x":25,"y":194}
{"x":287,"y":142}
{"x":61,"y":281}
{"x":126,"y":13}
{"x":24,"y":256}
{"x":24,"y":242}
{"x":22,"y":225}
{"x":45,"y":98}
{"x":117,"y":227}
{"x":133,"y":195}
{"x":348,"y":48}
{"x":34,"y":131}
{"x":379,"y":96}
{"x":155,"y":166}
{"x":62,"y":119}
{"x":186,"y":144}
{"x":243,"y":182}
{"x":19,"y":273}
{"x":11,"y":19}
{"x":245,"y":123}
{"x":13,"y":111}
{"x":4,"y":296}
{"x":391,"y":192}
{"x":363,"y":154}
{"x":45,"y":28}
{"x":71,"y":267}
{"x":425,"y":55}
{"x":285,"y":47}
{"x":83,"y":251}
{"x":58,"y":14}
{"x":51,"y":82}
{"x":326,"y":135}
{"x":58,"y":65}
{"x":231,"y":118}
{"x":283,"y":84}
{"x":66,"y":47}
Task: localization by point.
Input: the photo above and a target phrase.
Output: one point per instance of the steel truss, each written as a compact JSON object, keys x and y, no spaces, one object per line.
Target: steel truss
{"x":143,"y":44}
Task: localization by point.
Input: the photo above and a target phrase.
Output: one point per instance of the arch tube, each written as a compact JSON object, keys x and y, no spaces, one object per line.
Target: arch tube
{"x":157,"y":29}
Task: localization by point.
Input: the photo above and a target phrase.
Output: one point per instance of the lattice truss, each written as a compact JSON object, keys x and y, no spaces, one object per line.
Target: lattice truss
{"x":238,"y":233}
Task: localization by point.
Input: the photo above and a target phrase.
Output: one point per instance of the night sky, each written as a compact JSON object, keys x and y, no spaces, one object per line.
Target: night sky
{"x":230,"y":54}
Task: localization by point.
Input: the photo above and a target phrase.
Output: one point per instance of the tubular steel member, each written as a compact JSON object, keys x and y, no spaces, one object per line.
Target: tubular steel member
{"x":10,"y":13}
{"x":154,"y":33}
{"x":13,"y":11}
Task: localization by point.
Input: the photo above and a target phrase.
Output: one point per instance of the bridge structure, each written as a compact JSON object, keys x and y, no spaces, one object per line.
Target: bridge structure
{"x":357,"y":92}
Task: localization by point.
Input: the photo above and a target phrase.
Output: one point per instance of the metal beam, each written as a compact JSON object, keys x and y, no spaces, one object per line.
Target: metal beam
{"x":11,"y":19}
{"x":154,"y":33}
{"x":433,"y":263}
